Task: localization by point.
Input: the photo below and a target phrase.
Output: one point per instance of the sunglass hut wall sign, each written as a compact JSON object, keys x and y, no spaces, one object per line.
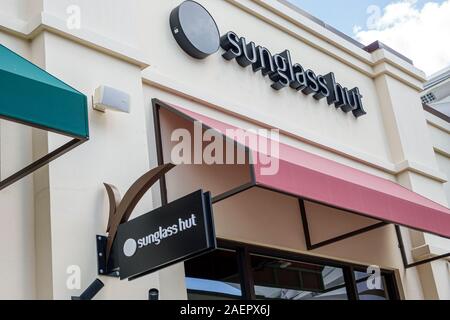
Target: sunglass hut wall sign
{"x":198,"y":35}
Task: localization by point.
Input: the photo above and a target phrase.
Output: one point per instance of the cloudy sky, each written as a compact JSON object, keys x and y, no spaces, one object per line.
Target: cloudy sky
{"x":419,"y":29}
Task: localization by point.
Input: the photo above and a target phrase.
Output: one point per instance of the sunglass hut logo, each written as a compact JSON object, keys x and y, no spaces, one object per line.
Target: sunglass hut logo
{"x":131,"y":246}
{"x":198,"y":35}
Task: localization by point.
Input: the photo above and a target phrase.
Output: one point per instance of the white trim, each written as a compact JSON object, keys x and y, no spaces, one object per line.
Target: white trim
{"x":437,"y":122}
{"x":443,"y":126}
{"x":384,"y":56}
{"x":427,"y":252}
{"x":385,"y":67}
{"x":47,"y":22}
{"x":418,"y":168}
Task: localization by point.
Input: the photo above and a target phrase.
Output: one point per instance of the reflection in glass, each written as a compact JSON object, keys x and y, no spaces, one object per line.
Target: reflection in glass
{"x":213,"y":277}
{"x":286,"y":280}
{"x":216,"y":276}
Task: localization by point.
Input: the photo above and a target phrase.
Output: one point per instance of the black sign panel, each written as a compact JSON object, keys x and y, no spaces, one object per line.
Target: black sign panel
{"x":179,"y":231}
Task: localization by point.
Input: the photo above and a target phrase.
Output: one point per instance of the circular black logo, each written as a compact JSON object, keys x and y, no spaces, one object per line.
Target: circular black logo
{"x":195,"y":30}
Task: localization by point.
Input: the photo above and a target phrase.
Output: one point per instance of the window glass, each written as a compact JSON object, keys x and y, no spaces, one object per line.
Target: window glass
{"x":216,"y":276}
{"x":287,"y":280}
{"x":213,"y":276}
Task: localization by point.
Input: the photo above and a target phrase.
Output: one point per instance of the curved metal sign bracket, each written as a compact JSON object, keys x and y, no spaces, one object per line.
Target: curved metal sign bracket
{"x":122,"y":208}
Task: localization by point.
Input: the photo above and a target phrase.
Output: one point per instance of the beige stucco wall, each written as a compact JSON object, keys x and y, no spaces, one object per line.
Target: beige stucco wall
{"x":117,"y":153}
{"x":444,"y":165}
{"x":287,"y":109}
{"x":17,"y":244}
{"x":440,"y":135}
{"x":55,"y":215}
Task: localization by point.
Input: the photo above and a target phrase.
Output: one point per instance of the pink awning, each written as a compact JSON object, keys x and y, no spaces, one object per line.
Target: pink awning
{"x":311,"y":177}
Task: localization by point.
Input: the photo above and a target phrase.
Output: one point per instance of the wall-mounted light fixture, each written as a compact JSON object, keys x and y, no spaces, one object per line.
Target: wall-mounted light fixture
{"x":91,"y":291}
{"x":153,"y":294}
{"x":107,"y":98}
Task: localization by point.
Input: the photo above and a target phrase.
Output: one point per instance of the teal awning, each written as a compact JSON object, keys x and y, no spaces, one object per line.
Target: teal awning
{"x":33,"y":97}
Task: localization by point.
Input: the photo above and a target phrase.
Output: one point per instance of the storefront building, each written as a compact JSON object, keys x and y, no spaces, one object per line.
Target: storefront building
{"x":358,"y":182}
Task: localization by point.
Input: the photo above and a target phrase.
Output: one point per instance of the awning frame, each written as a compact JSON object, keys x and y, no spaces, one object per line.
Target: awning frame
{"x":327,"y":242}
{"x":43,"y":161}
{"x":407,"y":264}
{"x":23,"y":70}
{"x":158,"y":104}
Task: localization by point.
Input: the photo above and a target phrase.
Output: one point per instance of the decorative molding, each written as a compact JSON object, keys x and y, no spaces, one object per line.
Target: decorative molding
{"x":86,"y":37}
{"x":385,"y":67}
{"x":374,"y":46}
{"x":437,"y":122}
{"x":417,"y":168}
{"x":443,"y":123}
{"x":427,"y":251}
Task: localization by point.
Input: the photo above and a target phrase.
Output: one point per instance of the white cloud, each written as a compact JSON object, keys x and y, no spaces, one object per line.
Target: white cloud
{"x":421,"y":34}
